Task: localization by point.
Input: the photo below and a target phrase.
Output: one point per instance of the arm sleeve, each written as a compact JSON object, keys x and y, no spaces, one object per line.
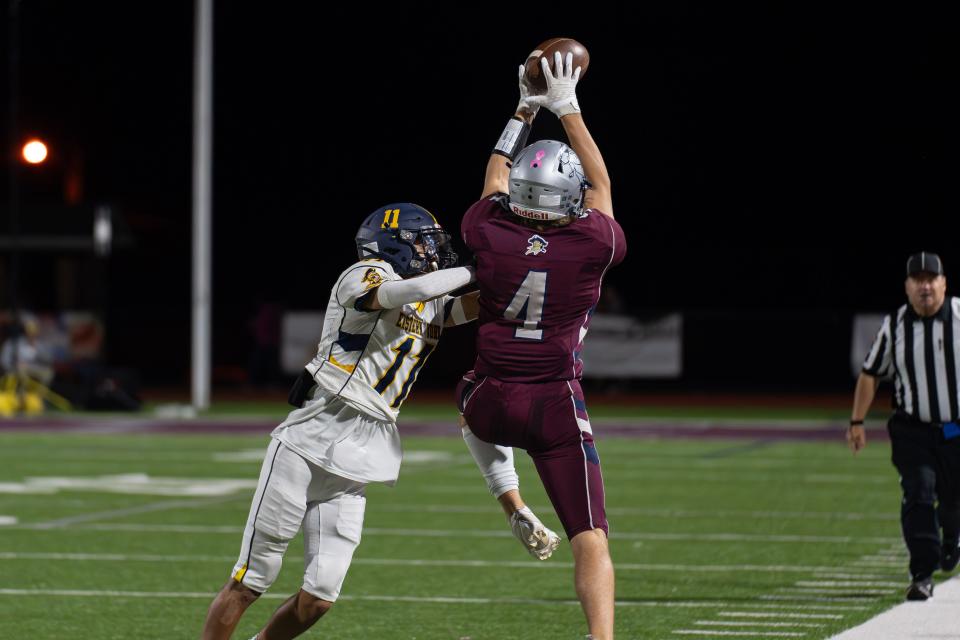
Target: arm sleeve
{"x":880,"y":357}
{"x":397,"y":293}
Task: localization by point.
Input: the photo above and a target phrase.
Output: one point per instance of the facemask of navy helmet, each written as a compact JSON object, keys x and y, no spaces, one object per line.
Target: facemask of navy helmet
{"x":408,"y":237}
{"x":547,"y":184}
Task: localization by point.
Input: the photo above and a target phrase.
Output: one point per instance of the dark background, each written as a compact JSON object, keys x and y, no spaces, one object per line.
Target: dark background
{"x":772,"y":167}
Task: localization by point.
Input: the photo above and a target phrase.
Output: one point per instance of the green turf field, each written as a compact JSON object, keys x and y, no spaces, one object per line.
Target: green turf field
{"x":708,"y":537}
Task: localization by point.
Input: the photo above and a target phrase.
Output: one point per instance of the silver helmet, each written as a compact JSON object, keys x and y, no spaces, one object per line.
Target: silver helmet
{"x":547,"y":182}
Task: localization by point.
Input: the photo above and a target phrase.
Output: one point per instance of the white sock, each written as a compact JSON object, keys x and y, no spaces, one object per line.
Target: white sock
{"x":495,"y":463}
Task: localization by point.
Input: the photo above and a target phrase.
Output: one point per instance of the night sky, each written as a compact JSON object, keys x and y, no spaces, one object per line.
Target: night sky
{"x":772,"y":167}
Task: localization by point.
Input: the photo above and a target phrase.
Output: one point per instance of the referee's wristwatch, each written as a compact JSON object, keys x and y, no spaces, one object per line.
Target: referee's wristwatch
{"x":856,"y":423}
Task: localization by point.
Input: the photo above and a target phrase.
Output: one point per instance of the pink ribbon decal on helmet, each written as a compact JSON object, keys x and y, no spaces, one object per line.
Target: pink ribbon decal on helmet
{"x":535,"y":163}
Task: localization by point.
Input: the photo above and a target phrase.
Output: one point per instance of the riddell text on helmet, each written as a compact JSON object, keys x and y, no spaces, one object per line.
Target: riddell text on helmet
{"x":528,"y":213}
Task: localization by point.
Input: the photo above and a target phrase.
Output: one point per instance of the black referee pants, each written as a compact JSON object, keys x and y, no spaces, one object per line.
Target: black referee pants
{"x":929,"y":469}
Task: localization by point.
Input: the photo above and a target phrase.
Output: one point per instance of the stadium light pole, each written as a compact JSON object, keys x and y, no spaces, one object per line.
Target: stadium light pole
{"x":13,"y":137}
{"x":202,"y":200}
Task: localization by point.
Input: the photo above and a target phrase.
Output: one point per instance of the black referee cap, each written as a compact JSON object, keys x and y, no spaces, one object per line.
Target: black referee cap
{"x":924,"y":262}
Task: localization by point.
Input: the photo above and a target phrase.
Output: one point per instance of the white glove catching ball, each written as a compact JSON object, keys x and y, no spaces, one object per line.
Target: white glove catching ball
{"x":561,"y":95}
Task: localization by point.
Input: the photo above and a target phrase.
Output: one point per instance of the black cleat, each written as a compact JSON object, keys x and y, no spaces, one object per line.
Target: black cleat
{"x":950,"y":555}
{"x":920,"y":589}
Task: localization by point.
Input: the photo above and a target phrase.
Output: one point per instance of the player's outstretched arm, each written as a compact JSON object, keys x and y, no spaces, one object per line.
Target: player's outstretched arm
{"x":561,"y":100}
{"x":512,"y":140}
{"x":598,"y":195}
{"x":397,"y":293}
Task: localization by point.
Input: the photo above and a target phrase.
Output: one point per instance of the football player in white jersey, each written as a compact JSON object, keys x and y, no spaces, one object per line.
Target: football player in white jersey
{"x":384,"y":318}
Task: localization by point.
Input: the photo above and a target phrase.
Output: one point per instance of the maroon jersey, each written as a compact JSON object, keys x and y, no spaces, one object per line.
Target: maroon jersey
{"x":538,"y":290}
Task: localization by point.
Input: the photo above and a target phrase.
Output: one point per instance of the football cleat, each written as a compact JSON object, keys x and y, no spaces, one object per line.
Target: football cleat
{"x":920,"y":589}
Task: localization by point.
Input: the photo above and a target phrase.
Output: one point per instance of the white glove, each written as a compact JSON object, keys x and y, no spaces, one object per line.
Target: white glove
{"x":561,"y":95}
{"x":525,"y":106}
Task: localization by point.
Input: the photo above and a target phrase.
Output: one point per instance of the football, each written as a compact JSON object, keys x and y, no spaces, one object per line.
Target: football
{"x":533,"y":73}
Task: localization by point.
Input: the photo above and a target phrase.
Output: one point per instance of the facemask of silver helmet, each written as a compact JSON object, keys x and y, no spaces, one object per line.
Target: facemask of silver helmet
{"x":547,"y":182}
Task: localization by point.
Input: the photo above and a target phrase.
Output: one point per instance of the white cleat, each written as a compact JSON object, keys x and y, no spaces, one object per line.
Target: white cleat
{"x":539,"y":541}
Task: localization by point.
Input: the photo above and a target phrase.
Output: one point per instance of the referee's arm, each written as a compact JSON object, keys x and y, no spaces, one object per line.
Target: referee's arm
{"x":862,"y":399}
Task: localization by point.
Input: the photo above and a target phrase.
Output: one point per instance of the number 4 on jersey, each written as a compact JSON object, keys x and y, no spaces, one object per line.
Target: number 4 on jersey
{"x":527,"y":305}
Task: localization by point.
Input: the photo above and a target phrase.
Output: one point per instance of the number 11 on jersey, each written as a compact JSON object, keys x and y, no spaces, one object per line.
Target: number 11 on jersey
{"x":527,"y":305}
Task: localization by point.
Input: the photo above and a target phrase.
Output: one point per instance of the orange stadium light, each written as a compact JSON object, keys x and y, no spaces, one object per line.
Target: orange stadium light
{"x":34,"y":151}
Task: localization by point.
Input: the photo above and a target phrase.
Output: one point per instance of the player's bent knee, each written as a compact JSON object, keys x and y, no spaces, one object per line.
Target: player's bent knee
{"x":589,"y":540}
{"x":242,"y":592}
{"x":262,"y":566}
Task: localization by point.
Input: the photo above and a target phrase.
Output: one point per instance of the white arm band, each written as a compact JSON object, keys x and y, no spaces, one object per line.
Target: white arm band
{"x":397,"y":293}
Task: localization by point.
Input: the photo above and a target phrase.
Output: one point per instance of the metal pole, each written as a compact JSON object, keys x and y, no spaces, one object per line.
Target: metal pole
{"x":13,"y":133}
{"x":202,"y":199}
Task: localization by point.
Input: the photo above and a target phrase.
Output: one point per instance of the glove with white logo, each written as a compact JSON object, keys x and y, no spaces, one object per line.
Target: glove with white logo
{"x":561,"y":95}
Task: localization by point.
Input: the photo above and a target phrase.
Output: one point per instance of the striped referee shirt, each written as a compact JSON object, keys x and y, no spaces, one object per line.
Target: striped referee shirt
{"x":922,"y":356}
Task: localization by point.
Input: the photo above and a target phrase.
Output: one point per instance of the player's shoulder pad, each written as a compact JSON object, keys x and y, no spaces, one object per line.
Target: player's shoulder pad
{"x":361,"y":277}
{"x":382,"y":267}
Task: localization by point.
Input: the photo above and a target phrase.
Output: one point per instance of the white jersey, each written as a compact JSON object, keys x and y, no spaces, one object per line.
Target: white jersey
{"x":368,"y":360}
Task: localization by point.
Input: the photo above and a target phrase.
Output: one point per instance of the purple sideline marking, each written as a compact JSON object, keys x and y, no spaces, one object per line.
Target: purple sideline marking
{"x":602,"y":429}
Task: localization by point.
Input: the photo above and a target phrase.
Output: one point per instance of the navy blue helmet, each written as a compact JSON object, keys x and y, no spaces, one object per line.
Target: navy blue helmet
{"x":408,"y":237}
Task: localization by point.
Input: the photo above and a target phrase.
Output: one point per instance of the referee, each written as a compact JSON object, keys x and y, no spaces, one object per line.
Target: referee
{"x":919,"y":348}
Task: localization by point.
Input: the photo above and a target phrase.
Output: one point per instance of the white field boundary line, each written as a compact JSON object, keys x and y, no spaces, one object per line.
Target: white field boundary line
{"x":804,"y":590}
{"x":489,"y":533}
{"x":856,"y":576}
{"x":76,"y":593}
{"x":731,"y":475}
{"x":867,"y":490}
{"x":838,"y":592}
{"x":812,"y":598}
{"x":755,"y":623}
{"x":648,"y":513}
{"x":935,"y":619}
{"x":740,"y":634}
{"x":522,"y":564}
{"x":657,"y":513}
{"x":779,"y":614}
{"x":847,"y":584}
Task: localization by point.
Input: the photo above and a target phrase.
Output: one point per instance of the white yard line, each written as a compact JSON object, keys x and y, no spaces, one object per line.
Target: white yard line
{"x":805,"y":606}
{"x":856,"y":576}
{"x":935,"y":619}
{"x":780,"y":614}
{"x":812,"y":598}
{"x":757,"y":634}
{"x":848,"y":584}
{"x":658,"y":513}
{"x":76,"y":593}
{"x":838,"y":592}
{"x":414,"y":562}
{"x":754,"y":623}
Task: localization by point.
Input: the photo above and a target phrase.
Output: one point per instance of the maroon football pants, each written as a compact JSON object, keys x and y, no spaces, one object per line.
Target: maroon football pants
{"x":549,"y":420}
